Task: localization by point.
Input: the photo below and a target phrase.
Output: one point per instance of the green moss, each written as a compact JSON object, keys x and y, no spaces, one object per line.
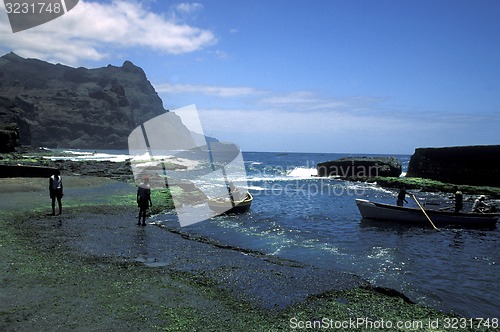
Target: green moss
{"x":99,"y":293}
{"x":51,"y":288}
{"x":162,"y":200}
{"x":361,"y":309}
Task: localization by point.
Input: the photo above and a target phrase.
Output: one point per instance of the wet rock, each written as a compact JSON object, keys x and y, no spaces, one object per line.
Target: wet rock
{"x":360,"y":167}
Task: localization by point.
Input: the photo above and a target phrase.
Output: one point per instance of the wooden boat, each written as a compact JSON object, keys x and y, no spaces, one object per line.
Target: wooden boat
{"x":226,"y":206}
{"x":405,"y":215}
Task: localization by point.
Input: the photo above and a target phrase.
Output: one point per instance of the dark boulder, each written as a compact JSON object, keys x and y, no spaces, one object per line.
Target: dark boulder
{"x":14,"y":117}
{"x":9,"y":138}
{"x":469,"y":165}
{"x":360,"y":167}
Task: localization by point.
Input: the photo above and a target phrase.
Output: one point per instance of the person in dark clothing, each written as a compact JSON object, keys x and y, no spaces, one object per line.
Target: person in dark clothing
{"x":56,"y":191}
{"x":402,"y":197}
{"x":459,"y":200}
{"x":143,"y":200}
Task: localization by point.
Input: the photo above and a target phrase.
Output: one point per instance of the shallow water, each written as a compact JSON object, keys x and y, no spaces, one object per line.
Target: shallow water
{"x":315,"y":221}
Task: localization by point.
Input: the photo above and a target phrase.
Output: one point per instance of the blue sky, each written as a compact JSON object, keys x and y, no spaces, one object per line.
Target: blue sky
{"x":299,"y":76}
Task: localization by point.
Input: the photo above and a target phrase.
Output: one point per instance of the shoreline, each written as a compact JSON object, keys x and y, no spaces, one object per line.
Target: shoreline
{"x":94,"y":268}
{"x":121,"y":170}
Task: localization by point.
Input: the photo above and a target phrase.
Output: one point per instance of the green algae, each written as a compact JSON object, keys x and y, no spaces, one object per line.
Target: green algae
{"x":49,"y":287}
{"x":58,"y":289}
{"x":99,"y":293}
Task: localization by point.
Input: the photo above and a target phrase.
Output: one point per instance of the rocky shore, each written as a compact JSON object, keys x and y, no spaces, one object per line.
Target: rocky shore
{"x":93,"y":269}
{"x":31,"y":156}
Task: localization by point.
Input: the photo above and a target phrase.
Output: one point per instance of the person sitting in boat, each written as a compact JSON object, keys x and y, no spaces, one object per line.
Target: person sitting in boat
{"x":480,"y":205}
{"x":234,"y":191}
{"x":402,"y":197}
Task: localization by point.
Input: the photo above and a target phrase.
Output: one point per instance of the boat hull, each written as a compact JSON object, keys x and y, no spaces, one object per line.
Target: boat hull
{"x":227,"y":207}
{"x":404,"y":215}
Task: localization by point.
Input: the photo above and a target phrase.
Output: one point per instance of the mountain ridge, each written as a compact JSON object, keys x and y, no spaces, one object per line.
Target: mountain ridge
{"x":58,"y":106}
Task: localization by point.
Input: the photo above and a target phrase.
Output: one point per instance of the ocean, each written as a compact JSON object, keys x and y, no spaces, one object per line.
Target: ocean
{"x":315,"y":221}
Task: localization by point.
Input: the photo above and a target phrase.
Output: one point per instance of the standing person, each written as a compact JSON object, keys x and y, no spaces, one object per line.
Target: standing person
{"x":459,"y":200}
{"x":143,"y":200}
{"x":402,"y":197}
{"x":56,"y":191}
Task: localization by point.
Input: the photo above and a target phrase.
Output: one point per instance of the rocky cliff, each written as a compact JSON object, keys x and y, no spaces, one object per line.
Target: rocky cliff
{"x":59,"y":106}
{"x":471,"y":165}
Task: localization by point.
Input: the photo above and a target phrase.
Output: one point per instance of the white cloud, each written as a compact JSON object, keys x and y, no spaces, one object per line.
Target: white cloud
{"x":284,"y":122}
{"x":218,"y":91}
{"x":250,"y":112}
{"x":188,"y":8}
{"x":90,"y":28}
{"x":305,"y":121}
{"x":320,"y":131}
{"x":308,"y":100}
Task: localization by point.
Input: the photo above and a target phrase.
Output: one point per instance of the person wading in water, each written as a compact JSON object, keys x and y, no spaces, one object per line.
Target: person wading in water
{"x":143,"y":200}
{"x":56,"y":191}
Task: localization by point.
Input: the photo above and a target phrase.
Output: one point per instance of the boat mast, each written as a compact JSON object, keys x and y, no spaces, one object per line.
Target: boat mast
{"x":226,"y":181}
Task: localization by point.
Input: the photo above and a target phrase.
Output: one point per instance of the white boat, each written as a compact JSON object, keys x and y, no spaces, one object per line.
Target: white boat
{"x":405,"y":215}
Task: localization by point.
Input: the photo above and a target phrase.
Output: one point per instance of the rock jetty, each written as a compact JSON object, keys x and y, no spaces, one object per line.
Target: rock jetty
{"x":466,"y":165}
{"x":15,"y":171}
{"x":360,"y":167}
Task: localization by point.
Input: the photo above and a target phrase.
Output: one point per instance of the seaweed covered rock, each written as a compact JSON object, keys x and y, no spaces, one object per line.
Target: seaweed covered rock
{"x":360,"y":167}
{"x":469,"y":165}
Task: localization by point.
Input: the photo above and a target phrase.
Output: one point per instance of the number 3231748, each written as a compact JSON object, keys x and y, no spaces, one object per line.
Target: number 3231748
{"x":473,"y":323}
{"x":33,"y":8}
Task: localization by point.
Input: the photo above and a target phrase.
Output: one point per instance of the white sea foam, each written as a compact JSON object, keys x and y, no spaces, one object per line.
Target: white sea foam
{"x":75,"y":155}
{"x":256,"y":188}
{"x":297,"y":173}
{"x":77,"y":152}
{"x":302,"y":172}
